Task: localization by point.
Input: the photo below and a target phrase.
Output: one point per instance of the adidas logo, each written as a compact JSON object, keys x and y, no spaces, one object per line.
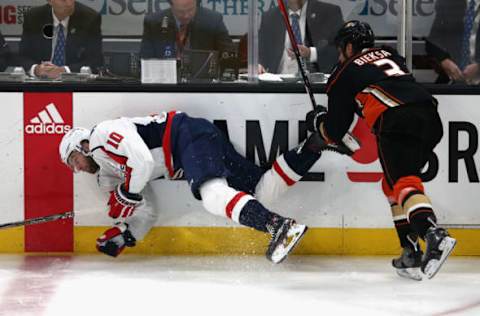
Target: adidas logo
{"x":48,"y":121}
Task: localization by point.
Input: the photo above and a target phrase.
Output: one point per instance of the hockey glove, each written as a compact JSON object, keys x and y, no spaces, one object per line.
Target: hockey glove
{"x":315,"y":117}
{"x":115,"y":239}
{"x":122,"y":203}
{"x":314,"y":120}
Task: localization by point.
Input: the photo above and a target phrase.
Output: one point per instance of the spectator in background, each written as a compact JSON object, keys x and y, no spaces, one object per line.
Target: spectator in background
{"x":453,"y":41}
{"x":186,"y":25}
{"x":60,"y":36}
{"x":4,"y":53}
{"x":316,"y":23}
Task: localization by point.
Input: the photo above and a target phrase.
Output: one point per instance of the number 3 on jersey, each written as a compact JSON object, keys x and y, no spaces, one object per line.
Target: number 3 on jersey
{"x":114,"y":139}
{"x":392,"y":68}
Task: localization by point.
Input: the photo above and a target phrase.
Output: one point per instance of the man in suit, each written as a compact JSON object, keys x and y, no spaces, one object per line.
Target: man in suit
{"x":317,"y":23}
{"x":61,"y":36}
{"x":184,"y":26}
{"x":4,"y":53}
{"x":454,"y":40}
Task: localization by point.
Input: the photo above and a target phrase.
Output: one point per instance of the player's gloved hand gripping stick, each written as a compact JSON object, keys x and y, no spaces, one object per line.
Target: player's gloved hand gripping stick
{"x":349,"y":141}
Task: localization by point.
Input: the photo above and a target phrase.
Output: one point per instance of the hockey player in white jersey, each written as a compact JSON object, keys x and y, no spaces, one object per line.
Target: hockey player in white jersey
{"x":127,"y":153}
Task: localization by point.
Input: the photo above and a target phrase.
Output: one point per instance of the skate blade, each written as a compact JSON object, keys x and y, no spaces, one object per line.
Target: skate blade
{"x":410,"y":273}
{"x":446,"y":246}
{"x":294,"y":235}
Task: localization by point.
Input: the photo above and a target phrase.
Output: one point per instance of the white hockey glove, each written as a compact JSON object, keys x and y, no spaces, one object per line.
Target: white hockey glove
{"x":122,"y":203}
{"x":115,"y":239}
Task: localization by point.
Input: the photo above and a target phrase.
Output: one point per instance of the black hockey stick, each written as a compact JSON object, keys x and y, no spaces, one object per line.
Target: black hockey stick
{"x":38,"y":220}
{"x":296,"y":51}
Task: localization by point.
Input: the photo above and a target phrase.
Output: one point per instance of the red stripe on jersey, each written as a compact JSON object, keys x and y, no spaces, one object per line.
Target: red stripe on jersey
{"x":166,"y":141}
{"x":122,"y":160}
{"x":231,"y":205}
{"x":128,"y":177}
{"x":282,"y":174}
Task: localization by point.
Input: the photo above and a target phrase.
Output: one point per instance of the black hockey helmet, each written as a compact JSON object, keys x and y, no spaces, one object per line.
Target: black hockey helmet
{"x":357,"y":33}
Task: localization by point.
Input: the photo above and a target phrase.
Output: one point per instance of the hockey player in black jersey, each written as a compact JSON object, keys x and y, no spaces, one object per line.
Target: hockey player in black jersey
{"x":375,"y":84}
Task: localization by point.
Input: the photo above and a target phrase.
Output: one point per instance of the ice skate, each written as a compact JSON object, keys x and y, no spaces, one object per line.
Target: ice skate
{"x":439,"y":246}
{"x":285,"y":236}
{"x":408,"y":264}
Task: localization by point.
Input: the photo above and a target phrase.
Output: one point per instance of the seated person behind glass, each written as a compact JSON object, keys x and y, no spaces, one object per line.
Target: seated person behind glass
{"x":317,"y":22}
{"x":186,"y":25}
{"x":454,"y":43}
{"x":61,"y":36}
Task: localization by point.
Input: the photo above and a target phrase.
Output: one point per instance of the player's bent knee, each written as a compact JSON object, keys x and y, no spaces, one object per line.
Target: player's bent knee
{"x":406,"y":186}
{"x":215,"y":195}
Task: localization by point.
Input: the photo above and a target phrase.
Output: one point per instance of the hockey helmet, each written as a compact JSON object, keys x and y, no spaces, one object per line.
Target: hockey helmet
{"x":357,"y":33}
{"x":73,"y":141}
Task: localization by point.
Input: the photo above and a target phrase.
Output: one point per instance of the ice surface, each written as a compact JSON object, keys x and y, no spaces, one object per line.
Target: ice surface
{"x":250,"y":285}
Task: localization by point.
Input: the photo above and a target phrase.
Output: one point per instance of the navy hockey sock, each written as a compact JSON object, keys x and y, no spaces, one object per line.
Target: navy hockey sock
{"x":255,"y":215}
{"x":301,"y":162}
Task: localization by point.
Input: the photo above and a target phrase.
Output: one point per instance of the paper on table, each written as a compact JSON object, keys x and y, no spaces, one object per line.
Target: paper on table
{"x":159,"y":71}
{"x":269,"y":77}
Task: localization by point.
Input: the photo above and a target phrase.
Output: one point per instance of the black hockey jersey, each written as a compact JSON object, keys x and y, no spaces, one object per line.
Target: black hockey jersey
{"x":368,"y":84}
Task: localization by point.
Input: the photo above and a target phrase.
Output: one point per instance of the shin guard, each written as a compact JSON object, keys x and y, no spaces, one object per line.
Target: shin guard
{"x":402,"y":226}
{"x":415,"y":204}
{"x":220,"y":199}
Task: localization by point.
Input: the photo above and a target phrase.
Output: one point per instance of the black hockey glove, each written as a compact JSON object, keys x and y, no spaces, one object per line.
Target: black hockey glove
{"x":115,"y":239}
{"x":315,"y":117}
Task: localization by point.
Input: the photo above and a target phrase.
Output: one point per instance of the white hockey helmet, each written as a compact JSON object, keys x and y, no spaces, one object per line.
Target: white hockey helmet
{"x":73,"y":141}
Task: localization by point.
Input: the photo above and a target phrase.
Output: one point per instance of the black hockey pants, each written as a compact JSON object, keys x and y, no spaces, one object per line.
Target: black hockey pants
{"x":406,"y":136}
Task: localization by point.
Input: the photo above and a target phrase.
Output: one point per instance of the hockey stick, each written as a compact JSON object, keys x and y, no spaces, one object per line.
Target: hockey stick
{"x":296,"y":51}
{"x":348,"y":139}
{"x":38,"y":220}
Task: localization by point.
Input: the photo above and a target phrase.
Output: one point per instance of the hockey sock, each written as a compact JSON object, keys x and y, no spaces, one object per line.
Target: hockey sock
{"x":408,"y":192}
{"x":287,"y":170}
{"x":255,"y":215}
{"x":402,"y":226}
{"x":302,"y":161}
{"x":419,"y":211}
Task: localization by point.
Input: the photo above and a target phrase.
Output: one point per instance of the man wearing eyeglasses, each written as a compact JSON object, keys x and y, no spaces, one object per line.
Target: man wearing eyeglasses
{"x":60,"y":36}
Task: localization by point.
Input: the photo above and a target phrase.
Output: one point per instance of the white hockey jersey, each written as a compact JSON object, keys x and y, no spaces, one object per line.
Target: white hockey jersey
{"x":134,"y":151}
